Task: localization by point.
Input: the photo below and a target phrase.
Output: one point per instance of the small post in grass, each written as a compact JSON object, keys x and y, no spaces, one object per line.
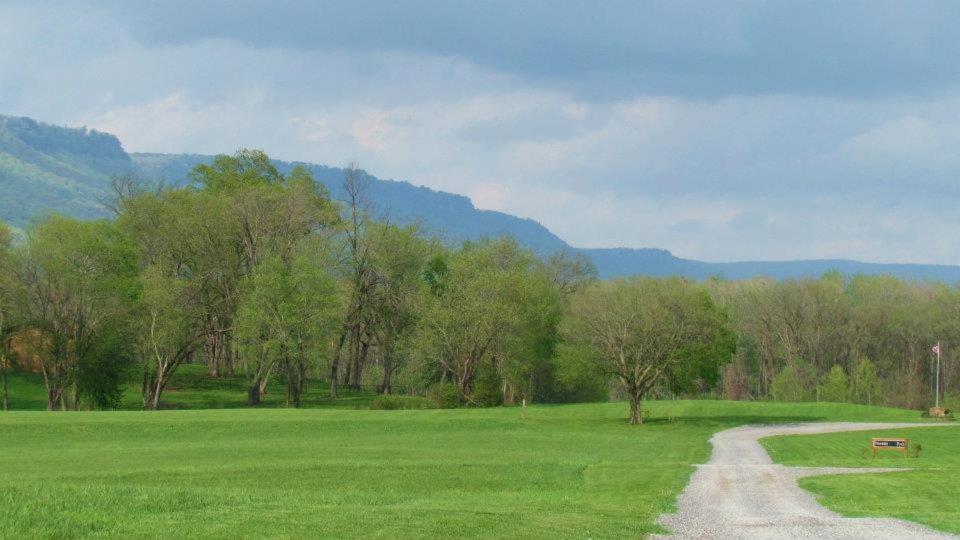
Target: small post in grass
{"x":523,"y":409}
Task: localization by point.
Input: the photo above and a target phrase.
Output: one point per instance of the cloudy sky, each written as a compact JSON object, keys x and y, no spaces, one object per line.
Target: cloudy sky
{"x":718,"y":130}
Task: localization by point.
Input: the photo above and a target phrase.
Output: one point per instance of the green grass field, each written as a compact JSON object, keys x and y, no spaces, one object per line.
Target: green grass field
{"x":565,"y":471}
{"x":928,"y":494}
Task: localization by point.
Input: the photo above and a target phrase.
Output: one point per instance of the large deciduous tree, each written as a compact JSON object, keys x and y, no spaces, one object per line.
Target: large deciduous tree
{"x":643,"y":328}
{"x":288,"y":311}
{"x":488,"y":302}
{"x":79,"y":284}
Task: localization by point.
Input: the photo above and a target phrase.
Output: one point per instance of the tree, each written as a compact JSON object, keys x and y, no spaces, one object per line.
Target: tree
{"x":359,"y":278}
{"x":795,"y":382}
{"x":475,"y":308}
{"x":642,"y":328}
{"x":6,"y":307}
{"x":268,"y":213}
{"x":186,"y":255}
{"x":836,"y":387}
{"x":288,"y":309}
{"x":79,"y":283}
{"x":864,"y":383}
{"x":398,"y":257}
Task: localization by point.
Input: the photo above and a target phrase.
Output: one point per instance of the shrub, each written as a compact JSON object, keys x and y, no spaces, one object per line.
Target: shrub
{"x":445,"y":396}
{"x":393,"y":403}
{"x":793,"y":383}
{"x":836,"y":387}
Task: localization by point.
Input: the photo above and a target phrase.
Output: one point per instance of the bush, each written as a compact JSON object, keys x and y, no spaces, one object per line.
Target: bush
{"x":836,"y":387}
{"x":487,"y":387}
{"x":394,"y":403}
{"x":445,"y":396}
{"x":793,"y":383}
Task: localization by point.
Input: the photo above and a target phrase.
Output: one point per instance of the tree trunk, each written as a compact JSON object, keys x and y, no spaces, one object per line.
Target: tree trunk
{"x":335,"y":364}
{"x":253,"y":395}
{"x":356,"y":373}
{"x":3,"y":375}
{"x":385,"y":388}
{"x":74,"y":397}
{"x":214,"y":356}
{"x":508,"y":393}
{"x":145,"y":387}
{"x":54,"y":396}
{"x":463,"y":385}
{"x":636,"y":416}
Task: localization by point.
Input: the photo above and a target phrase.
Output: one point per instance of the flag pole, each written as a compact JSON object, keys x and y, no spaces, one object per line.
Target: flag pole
{"x":937,"y":399}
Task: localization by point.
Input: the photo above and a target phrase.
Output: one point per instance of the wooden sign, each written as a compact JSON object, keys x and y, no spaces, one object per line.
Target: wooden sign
{"x":880,"y":443}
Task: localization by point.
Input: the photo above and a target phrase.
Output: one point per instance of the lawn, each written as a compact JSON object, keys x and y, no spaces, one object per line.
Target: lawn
{"x":571,"y":471}
{"x":926,"y":495}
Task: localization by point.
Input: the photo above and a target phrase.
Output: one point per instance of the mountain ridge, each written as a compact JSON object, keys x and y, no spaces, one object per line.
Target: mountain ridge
{"x":45,"y":167}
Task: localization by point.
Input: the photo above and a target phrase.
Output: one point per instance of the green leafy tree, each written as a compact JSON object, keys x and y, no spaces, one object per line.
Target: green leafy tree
{"x":475,"y":310}
{"x":187,"y":256}
{"x":268,"y":213}
{"x":288,"y":311}
{"x":836,"y":386}
{"x":865,"y":384}
{"x":398,"y":256}
{"x":642,"y":328}
{"x":79,"y":282}
{"x":795,"y":382}
{"x":198,"y":244}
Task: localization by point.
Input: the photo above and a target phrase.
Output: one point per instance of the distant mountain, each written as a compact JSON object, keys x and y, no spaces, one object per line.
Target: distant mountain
{"x":659,"y":262}
{"x":44,"y":167}
{"x":68,"y":170}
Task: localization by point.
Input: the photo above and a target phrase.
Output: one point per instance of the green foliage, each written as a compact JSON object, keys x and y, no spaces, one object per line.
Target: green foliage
{"x":105,"y":369}
{"x":643,"y":330}
{"x":391,"y":402}
{"x":487,"y":387}
{"x":496,"y":303}
{"x":836,"y":386}
{"x":573,"y":377}
{"x":794,"y":383}
{"x":80,"y":283}
{"x":445,"y":396}
{"x":865,"y":384}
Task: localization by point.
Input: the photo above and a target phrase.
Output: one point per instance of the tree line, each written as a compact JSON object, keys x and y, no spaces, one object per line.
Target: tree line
{"x":254,"y":272}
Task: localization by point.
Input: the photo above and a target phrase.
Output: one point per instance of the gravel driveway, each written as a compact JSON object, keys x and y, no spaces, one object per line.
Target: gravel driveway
{"x":740,"y":493}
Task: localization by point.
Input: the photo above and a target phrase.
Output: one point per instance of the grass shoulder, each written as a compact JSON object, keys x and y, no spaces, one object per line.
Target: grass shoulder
{"x":923,"y":494}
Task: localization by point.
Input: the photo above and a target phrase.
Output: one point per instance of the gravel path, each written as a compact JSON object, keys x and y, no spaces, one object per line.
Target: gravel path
{"x":740,"y":493}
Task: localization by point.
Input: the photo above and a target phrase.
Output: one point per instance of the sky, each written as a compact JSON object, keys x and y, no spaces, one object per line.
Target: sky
{"x":718,"y":130}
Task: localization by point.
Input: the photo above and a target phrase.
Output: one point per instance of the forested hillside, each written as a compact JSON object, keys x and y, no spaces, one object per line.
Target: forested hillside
{"x":68,"y":170}
{"x":45,"y":167}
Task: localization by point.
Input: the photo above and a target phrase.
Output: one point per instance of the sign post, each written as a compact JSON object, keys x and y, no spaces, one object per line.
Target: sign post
{"x":937,"y":411}
{"x":881,"y":443}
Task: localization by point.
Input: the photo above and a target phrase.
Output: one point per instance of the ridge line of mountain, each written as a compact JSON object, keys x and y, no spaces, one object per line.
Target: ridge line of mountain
{"x":45,"y":167}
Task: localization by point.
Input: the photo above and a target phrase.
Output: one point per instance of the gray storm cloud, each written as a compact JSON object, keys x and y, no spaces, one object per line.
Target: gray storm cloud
{"x":719,"y":131}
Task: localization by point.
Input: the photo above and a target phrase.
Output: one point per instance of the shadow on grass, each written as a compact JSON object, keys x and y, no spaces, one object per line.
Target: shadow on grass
{"x":732,"y":420}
